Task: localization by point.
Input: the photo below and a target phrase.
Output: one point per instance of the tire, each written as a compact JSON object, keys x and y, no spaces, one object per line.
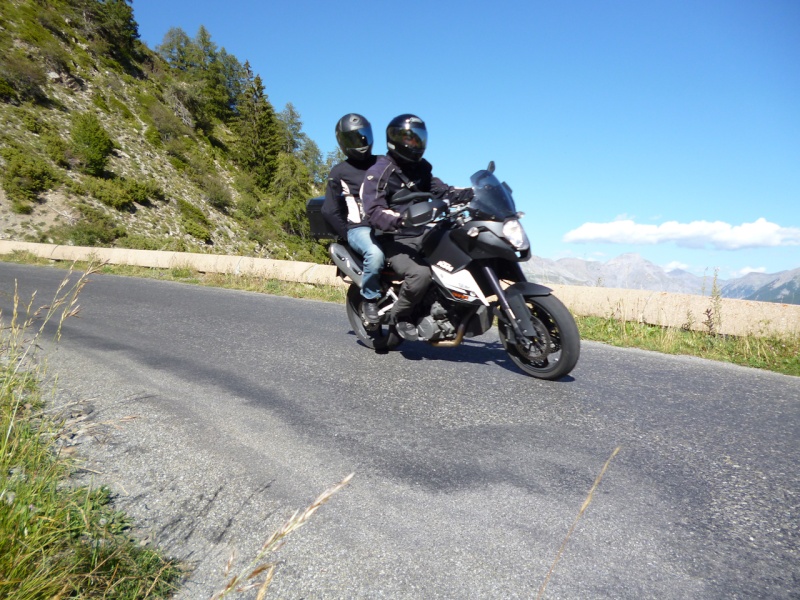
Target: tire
{"x":377,"y":337}
{"x":555,"y":350}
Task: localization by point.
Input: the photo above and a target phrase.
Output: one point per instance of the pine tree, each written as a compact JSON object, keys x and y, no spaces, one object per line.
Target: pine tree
{"x":290,"y":188}
{"x":298,"y":143}
{"x":233,"y":77}
{"x":91,"y":144}
{"x":258,"y":131}
{"x":118,"y":27}
{"x":176,"y":49}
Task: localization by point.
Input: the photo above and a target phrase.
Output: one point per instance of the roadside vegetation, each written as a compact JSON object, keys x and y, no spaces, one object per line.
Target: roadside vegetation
{"x":779,"y":354}
{"x":57,"y":540}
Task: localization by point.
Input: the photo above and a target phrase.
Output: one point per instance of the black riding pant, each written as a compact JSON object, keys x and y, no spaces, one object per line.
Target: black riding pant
{"x":406,"y":259}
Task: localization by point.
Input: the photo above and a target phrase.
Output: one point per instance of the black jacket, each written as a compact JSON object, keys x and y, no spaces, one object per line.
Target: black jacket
{"x":342,"y":206}
{"x":385,"y":185}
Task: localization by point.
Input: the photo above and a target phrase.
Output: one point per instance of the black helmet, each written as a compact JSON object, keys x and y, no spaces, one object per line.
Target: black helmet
{"x":354,"y":134}
{"x":407,"y":137}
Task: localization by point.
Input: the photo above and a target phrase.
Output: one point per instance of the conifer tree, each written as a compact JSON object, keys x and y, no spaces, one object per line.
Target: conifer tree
{"x":298,"y":143}
{"x":290,"y":188}
{"x":258,"y":131}
{"x":91,"y":144}
{"x":118,"y":27}
{"x":176,"y":49}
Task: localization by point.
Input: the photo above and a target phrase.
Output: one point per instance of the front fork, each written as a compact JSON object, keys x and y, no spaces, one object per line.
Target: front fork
{"x":513,"y":305}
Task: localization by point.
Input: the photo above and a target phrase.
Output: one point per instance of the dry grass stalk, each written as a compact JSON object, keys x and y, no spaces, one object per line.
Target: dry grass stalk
{"x":65,"y":300}
{"x":248,"y":577}
{"x":575,"y":523}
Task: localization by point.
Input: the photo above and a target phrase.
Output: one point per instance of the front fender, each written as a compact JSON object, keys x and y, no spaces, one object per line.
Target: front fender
{"x":515,"y":296}
{"x":527,"y":288}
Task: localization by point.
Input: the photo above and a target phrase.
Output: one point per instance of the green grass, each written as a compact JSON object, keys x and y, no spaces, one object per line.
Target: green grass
{"x":779,"y":354}
{"x":770,"y":353}
{"x":57,"y":540}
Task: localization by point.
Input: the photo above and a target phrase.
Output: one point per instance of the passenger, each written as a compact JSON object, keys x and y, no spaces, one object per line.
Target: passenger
{"x":342,"y":207}
{"x":392,"y":177}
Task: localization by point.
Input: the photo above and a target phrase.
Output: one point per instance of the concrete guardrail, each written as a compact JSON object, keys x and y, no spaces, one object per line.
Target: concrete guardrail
{"x":734,"y":317}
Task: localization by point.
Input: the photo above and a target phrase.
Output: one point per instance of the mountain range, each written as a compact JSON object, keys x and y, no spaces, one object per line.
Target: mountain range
{"x":631,"y":271}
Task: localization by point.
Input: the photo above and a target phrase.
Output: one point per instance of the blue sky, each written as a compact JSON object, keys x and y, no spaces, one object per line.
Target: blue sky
{"x":669,"y":128}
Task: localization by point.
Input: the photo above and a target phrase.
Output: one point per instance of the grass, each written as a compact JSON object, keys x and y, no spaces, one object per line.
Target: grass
{"x":258,"y":573}
{"x":57,"y":540}
{"x":778,"y":354}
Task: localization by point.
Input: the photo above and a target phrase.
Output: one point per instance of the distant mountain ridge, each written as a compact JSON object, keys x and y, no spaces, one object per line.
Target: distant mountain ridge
{"x":631,"y":271}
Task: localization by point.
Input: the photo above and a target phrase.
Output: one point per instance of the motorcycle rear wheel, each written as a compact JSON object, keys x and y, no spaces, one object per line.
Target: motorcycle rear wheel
{"x":377,"y":337}
{"x":555,"y":348}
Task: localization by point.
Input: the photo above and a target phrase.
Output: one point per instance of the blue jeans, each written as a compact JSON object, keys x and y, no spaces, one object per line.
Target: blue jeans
{"x":362,"y":240}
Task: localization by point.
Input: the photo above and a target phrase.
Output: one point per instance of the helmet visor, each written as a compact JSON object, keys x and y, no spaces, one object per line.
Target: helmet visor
{"x":412,"y":137}
{"x":358,"y":138}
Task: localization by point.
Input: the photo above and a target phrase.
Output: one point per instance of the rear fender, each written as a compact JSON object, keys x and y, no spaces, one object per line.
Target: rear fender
{"x":348,"y":264}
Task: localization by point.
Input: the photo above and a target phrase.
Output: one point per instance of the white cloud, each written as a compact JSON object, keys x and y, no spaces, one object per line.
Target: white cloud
{"x":697,"y":234}
{"x":747,"y":270}
{"x":676,"y":265}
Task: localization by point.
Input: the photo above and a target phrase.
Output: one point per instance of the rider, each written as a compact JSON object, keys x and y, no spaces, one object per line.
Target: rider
{"x":387,"y":182}
{"x":342,"y":206}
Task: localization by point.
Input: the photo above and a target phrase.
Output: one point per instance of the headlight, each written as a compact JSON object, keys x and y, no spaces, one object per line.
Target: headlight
{"x":515,"y":234}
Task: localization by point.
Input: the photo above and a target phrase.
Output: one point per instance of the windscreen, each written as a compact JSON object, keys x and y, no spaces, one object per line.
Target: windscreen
{"x":492,"y":198}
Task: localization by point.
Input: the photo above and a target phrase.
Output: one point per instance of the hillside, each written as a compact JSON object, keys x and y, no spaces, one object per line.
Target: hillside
{"x":780,"y":287}
{"x":106,"y":142}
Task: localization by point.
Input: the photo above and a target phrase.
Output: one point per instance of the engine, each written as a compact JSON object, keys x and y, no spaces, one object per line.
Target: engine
{"x":436,"y":326}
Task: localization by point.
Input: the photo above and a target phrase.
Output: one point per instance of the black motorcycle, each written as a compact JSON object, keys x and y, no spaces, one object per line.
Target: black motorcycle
{"x":474,"y":251}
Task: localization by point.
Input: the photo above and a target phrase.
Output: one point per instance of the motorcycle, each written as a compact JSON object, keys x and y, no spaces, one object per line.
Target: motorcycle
{"x":474,"y":250}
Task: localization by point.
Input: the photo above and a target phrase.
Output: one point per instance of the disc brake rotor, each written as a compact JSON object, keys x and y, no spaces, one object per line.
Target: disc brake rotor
{"x":541,"y":345}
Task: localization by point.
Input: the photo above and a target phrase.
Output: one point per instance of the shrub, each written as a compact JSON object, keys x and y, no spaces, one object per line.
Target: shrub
{"x":140,"y":242}
{"x":217,"y":194}
{"x":7,"y":93}
{"x":90,"y":143}
{"x":191,"y":213}
{"x":31,"y":123}
{"x":25,"y":76}
{"x":196,"y":230}
{"x":56,"y":149}
{"x":95,"y":228}
{"x":249,"y":207}
{"x":121,"y":193}
{"x":100,"y":102}
{"x":194,"y":221}
{"x":152,"y":136}
{"x":54,"y":56}
{"x":121,"y":108}
{"x":25,"y":177}
{"x":142,"y":192}
{"x":169,"y":126}
{"x":109,"y":192}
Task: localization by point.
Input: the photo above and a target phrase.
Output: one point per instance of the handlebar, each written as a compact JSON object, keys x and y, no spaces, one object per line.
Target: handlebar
{"x":417,"y":196}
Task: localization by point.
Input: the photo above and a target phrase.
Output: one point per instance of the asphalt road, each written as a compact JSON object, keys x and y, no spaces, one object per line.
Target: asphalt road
{"x":468,"y":474}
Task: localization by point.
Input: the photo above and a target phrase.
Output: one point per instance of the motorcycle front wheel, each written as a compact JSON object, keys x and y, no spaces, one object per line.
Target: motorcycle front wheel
{"x":377,"y":337}
{"x":554,"y":349}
